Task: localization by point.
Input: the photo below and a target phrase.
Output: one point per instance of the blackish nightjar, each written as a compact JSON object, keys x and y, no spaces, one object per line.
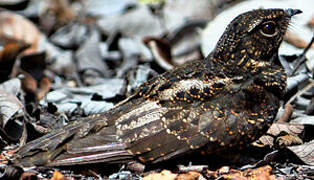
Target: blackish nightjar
{"x":227,"y":99}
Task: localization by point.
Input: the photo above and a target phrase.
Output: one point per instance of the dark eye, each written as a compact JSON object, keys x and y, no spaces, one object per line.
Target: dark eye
{"x":269,"y":29}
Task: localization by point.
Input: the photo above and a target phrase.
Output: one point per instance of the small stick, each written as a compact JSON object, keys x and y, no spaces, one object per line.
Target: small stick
{"x":302,"y":58}
{"x":286,"y":114}
{"x":307,"y":87}
{"x":196,"y":168}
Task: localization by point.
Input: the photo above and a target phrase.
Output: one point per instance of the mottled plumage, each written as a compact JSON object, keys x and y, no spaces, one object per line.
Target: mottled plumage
{"x":227,"y":99}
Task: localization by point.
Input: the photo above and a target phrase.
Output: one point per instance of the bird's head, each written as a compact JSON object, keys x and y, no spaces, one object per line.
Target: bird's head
{"x":255,"y":35}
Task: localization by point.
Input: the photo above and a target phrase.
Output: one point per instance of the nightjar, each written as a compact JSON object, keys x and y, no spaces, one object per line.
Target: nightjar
{"x":227,"y":99}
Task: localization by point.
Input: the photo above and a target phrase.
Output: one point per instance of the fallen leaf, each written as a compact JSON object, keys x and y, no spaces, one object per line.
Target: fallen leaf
{"x":281,"y":129}
{"x":288,"y":140}
{"x":13,"y":86}
{"x":28,"y":176}
{"x":310,"y":108}
{"x":9,"y":50}
{"x":161,"y":51}
{"x":189,"y":176}
{"x":44,"y":87}
{"x":29,"y":84}
{"x":295,"y":40}
{"x":9,"y":105}
{"x":165,"y":175}
{"x":54,"y":14}
{"x":70,"y":36}
{"x":264,"y":172}
{"x":19,"y":28}
{"x":305,"y":152}
{"x":6,"y":3}
{"x":89,"y":55}
{"x":12,"y":129}
{"x":59,"y":176}
{"x":132,"y":24}
{"x":61,"y":10}
{"x":34,"y":64}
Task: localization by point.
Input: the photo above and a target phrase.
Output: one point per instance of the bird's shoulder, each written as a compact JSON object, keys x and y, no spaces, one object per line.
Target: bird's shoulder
{"x":189,"y":83}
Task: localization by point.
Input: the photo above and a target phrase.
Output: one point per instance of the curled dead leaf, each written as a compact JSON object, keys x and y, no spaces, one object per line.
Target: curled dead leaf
{"x":10,"y":49}
{"x":44,"y":87}
{"x":19,"y":28}
{"x":34,"y":82}
{"x":295,"y":40}
{"x":9,"y":105}
{"x":10,"y":109}
{"x":161,"y":51}
{"x":29,"y":84}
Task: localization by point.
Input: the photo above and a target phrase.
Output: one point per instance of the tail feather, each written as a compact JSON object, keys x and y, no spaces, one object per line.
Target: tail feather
{"x":80,"y":143}
{"x":87,"y":158}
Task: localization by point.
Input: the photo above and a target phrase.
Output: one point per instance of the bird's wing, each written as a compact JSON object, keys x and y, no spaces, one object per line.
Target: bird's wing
{"x":217,"y":112}
{"x":178,"y":130}
{"x":157,"y":123}
{"x":178,"y":114}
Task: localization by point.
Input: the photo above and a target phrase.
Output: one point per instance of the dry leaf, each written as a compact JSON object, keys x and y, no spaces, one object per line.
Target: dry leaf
{"x":165,"y":175}
{"x":13,"y":86}
{"x":305,"y":152}
{"x":19,"y":28}
{"x":54,"y":14}
{"x":11,"y":128}
{"x":44,"y":87}
{"x":288,"y":140}
{"x":249,"y":174}
{"x":9,"y":105}
{"x":189,"y":176}
{"x":10,"y":47}
{"x":161,"y":51}
{"x":281,"y":129}
{"x":29,"y":84}
{"x":28,"y":176}
{"x":296,"y":41}
{"x":59,"y":176}
{"x":9,"y":50}
{"x":61,"y":9}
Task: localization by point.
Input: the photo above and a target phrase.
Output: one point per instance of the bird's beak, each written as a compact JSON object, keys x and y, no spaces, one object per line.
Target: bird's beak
{"x":292,"y":12}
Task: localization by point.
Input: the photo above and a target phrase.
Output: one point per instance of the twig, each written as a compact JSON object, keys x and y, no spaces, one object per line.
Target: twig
{"x":267,"y":158}
{"x":196,"y":168}
{"x":307,"y":87}
{"x":286,"y":114}
{"x":302,"y":58}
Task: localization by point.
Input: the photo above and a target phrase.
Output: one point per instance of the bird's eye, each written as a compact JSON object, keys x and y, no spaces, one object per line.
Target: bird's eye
{"x":269,"y":29}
